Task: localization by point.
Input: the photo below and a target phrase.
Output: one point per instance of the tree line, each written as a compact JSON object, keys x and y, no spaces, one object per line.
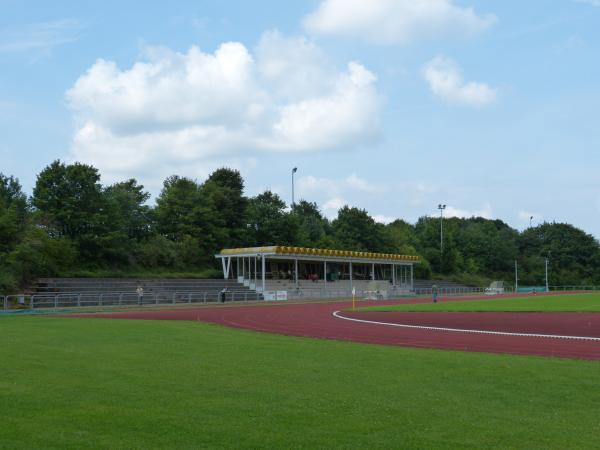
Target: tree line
{"x":72,"y":225}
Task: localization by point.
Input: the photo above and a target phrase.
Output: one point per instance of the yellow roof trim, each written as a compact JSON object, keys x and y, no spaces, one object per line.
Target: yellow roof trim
{"x":304,"y":251}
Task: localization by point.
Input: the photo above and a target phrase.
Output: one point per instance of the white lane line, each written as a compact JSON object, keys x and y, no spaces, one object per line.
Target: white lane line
{"x":460,"y":330}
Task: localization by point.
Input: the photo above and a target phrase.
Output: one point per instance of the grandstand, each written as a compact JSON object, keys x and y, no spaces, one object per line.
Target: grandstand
{"x":261,"y":273}
{"x":292,"y":272}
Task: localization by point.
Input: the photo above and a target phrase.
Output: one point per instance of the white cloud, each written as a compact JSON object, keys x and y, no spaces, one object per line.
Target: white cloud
{"x":333,"y":205}
{"x":310,"y":185}
{"x":485,"y":212}
{"x":183,"y":111}
{"x":446,"y":82}
{"x":390,"y":199}
{"x":40,"y":37}
{"x":333,"y":193}
{"x":395,"y":21}
{"x":589,"y":2}
{"x":383,"y":219}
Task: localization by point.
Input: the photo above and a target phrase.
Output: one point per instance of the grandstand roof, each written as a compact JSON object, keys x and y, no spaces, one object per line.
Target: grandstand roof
{"x":279,"y":251}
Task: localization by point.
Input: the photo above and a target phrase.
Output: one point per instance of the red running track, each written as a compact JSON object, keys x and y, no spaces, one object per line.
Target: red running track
{"x":316,"y":320}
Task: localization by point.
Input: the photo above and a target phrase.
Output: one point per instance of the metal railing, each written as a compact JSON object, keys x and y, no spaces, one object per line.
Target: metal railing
{"x":24,"y":302}
{"x":103,"y":299}
{"x":573,"y":288}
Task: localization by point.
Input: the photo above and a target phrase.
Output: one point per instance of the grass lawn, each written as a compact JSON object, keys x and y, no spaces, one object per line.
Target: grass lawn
{"x":94,"y":383}
{"x":565,"y":303}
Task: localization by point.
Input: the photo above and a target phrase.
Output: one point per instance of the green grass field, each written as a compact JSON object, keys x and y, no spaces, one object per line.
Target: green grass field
{"x":565,"y":303}
{"x":93,"y":383}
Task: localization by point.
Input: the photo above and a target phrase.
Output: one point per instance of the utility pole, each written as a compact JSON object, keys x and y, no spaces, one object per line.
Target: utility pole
{"x":294,"y":170}
{"x":441,"y":208}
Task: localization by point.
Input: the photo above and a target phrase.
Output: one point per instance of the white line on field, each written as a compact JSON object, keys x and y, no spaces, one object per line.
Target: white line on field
{"x":460,"y":330}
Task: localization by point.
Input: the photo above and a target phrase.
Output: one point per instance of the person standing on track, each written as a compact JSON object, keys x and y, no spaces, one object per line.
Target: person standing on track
{"x":434,"y":292}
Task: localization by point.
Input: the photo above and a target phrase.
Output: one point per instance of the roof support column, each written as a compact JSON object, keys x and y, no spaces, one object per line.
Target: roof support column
{"x":350,"y":275}
{"x":393,"y":274}
{"x":411,"y":277}
{"x":296,"y":271}
{"x":372,"y":271}
{"x":224,"y":268}
{"x":263,"y":273}
{"x":325,"y":272}
{"x":256,"y":272}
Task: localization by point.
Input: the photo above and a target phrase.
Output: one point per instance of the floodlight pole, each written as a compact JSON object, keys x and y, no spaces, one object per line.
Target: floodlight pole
{"x":547,"y":287}
{"x":516,"y":277}
{"x":441,"y":208}
{"x":294,"y":170}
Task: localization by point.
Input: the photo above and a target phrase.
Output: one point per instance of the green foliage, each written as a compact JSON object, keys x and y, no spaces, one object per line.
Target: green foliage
{"x":573,"y":255}
{"x":268,"y":223}
{"x":68,"y":199}
{"x":73,"y":224}
{"x":175,"y":208}
{"x":13,"y":212}
{"x":354,"y":229}
{"x":314,"y":228}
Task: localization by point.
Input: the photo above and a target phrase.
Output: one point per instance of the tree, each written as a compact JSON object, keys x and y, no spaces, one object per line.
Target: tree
{"x":223,"y":193}
{"x":175,"y":206}
{"x":313,"y":226}
{"x":13,"y":212}
{"x":354,"y":229}
{"x":573,"y":254}
{"x":401,"y":236}
{"x":268,"y":223}
{"x":26,"y":250}
{"x":228,"y":178}
{"x":69,"y":202}
{"x":127,"y":208}
{"x":69,"y":198}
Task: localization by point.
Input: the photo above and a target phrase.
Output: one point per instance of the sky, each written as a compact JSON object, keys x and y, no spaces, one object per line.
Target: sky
{"x":395,"y":106}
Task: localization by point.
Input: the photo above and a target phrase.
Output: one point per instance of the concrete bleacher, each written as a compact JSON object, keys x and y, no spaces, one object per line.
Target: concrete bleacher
{"x":150,"y":286}
{"x":176,"y":290}
{"x":320,"y":288}
{"x":342,"y":288}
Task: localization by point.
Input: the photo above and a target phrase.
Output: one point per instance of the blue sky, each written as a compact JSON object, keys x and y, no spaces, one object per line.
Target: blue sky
{"x":489,"y":107}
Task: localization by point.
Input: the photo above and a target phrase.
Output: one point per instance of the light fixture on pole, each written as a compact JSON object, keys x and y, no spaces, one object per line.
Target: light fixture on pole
{"x":530,"y":219}
{"x":441,"y":208}
{"x":294,"y":170}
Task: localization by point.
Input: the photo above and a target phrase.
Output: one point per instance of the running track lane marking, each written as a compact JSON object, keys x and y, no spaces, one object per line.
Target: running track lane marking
{"x":337,"y":315}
